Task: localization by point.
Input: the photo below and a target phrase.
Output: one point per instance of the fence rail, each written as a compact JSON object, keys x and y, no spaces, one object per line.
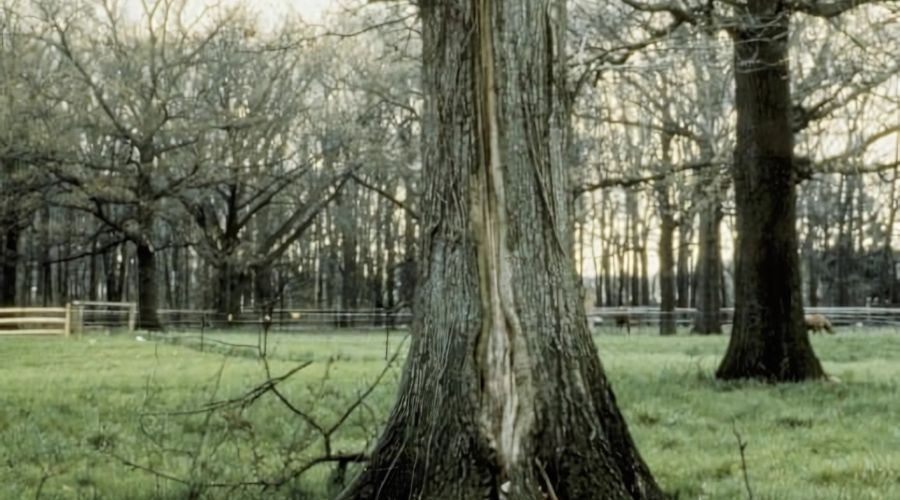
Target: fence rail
{"x":841,"y":316}
{"x":92,"y":315}
{"x":36,"y":321}
{"x":85,"y":316}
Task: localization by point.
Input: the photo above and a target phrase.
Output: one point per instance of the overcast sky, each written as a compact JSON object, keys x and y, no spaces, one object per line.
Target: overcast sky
{"x":269,"y":10}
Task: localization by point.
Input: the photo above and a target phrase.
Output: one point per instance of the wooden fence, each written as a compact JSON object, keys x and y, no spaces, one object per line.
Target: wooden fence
{"x":36,"y":321}
{"x":92,"y":315}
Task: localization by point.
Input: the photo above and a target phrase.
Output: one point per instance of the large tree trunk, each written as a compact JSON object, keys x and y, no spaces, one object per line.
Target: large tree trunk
{"x":768,"y":340}
{"x":503,"y":395}
{"x":709,"y":268}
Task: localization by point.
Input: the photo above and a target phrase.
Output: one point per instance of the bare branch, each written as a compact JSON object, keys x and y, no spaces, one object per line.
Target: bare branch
{"x":625,"y":182}
{"x":828,"y":9}
{"x":384,"y":194}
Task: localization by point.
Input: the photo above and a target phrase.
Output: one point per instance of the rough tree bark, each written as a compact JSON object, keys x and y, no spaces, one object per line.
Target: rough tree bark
{"x":503,"y":394}
{"x":768,"y":340}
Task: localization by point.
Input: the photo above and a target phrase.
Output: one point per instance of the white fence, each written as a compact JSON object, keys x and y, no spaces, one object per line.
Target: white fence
{"x":36,"y":320}
{"x":91,"y":316}
{"x":88,"y":315}
{"x":864,"y":316}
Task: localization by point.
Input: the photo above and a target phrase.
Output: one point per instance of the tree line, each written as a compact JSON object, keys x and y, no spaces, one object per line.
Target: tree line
{"x":194,"y":160}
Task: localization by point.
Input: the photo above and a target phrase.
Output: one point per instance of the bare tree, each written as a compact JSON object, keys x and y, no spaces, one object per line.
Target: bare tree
{"x":137,"y":94}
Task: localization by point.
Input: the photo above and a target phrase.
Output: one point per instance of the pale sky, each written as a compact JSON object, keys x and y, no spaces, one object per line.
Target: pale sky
{"x":270,"y":10}
{"x":311,"y":10}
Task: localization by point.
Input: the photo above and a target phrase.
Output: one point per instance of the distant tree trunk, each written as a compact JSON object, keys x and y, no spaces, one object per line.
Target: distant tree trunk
{"x":148,"y":288}
{"x":45,"y":269}
{"x":812,"y":266}
{"x":645,"y":268}
{"x":8,"y":241}
{"x":109,"y":273}
{"x":93,"y":275}
{"x":768,"y":340}
{"x":407,"y":285}
{"x":889,"y":268}
{"x":142,"y":237}
{"x":844,"y":241}
{"x":683,"y":264}
{"x":668,"y":224}
{"x":9,"y":261}
{"x":351,"y":277}
{"x":191,"y":281}
{"x":606,"y":257}
{"x":621,"y":272}
{"x":634,"y":275}
{"x":391,"y":258}
{"x":667,"y":323}
{"x":264,"y":285}
{"x":25,"y":297}
{"x":179,"y":279}
{"x":115,"y":263}
{"x":64,"y":268}
{"x":709,"y":269}
{"x":503,"y":395}
{"x":168,"y":282}
{"x":319,"y":254}
{"x":230,"y":289}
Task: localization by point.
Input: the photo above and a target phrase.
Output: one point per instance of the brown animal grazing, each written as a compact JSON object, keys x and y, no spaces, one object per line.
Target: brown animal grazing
{"x":816,"y":323}
{"x":623,"y":321}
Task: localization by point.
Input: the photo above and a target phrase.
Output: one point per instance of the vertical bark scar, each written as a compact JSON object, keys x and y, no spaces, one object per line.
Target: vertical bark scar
{"x":502,"y":349}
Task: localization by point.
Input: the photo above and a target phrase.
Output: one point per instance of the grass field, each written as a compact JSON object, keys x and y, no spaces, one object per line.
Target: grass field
{"x":89,"y":417}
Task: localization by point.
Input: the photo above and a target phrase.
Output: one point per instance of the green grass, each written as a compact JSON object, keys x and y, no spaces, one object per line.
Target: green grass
{"x":74,"y":411}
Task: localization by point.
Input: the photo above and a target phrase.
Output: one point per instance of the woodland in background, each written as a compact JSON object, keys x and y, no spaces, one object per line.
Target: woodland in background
{"x":206,"y":160}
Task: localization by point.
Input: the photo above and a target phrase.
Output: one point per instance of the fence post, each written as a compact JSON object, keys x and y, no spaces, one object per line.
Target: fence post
{"x":67,"y":326}
{"x":77,"y":317}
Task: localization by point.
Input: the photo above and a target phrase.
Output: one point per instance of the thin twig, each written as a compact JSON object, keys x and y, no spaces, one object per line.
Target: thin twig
{"x":742,"y":445}
{"x":242,"y":401}
{"x":551,"y":493}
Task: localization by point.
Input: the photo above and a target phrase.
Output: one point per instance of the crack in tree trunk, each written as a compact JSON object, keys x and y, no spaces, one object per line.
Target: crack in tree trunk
{"x":500,"y":327}
{"x":501,"y":332}
{"x":503,"y":395}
